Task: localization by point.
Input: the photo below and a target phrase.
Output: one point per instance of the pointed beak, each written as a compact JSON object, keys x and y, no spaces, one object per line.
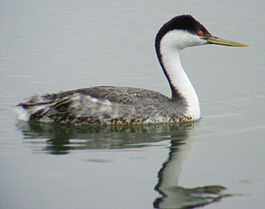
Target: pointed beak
{"x":219,"y":41}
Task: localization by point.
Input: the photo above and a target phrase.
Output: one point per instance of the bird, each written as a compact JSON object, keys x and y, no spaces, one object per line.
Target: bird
{"x":113,"y":105}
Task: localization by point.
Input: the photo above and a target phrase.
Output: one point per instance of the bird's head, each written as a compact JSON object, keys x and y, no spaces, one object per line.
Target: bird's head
{"x":184,"y":31}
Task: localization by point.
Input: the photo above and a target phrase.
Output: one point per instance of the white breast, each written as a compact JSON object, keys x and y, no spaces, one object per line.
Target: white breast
{"x":170,"y":46}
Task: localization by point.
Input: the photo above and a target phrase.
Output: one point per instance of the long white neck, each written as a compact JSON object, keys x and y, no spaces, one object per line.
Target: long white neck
{"x":179,"y":81}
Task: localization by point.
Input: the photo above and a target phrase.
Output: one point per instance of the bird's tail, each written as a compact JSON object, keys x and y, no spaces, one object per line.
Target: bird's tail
{"x":39,"y":107}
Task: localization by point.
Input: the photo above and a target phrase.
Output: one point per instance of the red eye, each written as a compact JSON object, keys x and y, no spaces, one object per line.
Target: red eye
{"x":200,"y":33}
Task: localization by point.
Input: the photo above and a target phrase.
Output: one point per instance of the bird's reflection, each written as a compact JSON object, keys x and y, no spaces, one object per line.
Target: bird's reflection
{"x":175,"y":196}
{"x":62,"y":139}
{"x":58,"y":139}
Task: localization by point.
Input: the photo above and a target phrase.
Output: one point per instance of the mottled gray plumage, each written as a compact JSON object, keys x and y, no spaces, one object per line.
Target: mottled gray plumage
{"x":104,"y":105}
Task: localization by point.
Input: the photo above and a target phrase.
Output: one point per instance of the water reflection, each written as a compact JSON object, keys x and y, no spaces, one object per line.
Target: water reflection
{"x":175,"y":196}
{"x":61,"y":139}
{"x":58,"y":139}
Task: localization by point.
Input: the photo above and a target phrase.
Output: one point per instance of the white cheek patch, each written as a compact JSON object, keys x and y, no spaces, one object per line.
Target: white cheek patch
{"x":181,"y":39}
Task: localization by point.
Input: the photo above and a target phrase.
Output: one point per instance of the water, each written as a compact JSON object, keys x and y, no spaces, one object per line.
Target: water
{"x":49,"y":46}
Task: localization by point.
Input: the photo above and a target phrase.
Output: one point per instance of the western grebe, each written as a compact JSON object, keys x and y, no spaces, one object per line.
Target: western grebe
{"x":125,"y":105}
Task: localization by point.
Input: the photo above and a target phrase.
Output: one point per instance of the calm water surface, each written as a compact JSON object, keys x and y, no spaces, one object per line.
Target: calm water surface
{"x":51,"y":46}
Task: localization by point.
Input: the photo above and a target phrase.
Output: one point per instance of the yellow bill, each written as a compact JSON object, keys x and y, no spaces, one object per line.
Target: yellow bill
{"x":219,"y":41}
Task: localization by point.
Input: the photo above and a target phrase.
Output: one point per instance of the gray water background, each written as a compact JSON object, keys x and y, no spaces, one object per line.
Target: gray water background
{"x":48,"y":46}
